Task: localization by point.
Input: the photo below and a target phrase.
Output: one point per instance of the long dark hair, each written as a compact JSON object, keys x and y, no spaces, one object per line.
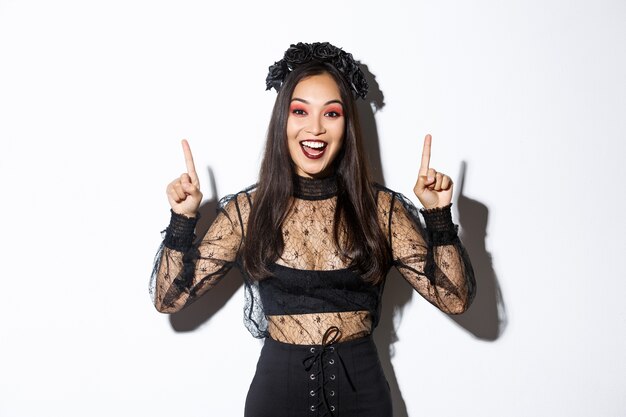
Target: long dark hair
{"x":364,"y":243}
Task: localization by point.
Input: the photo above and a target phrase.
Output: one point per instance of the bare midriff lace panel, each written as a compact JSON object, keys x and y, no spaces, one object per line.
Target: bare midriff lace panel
{"x":439,"y":270}
{"x":309,"y":329}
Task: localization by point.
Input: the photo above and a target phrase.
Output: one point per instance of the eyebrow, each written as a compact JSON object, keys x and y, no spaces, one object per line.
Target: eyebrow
{"x":325,"y":104}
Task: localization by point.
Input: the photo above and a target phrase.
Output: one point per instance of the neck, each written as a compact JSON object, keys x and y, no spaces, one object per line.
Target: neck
{"x":315,"y":188}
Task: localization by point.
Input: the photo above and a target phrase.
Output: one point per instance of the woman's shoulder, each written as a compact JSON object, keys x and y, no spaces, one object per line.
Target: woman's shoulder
{"x":388,"y":199}
{"x":237,"y":201}
{"x":385,"y":195}
{"x":379,"y":188}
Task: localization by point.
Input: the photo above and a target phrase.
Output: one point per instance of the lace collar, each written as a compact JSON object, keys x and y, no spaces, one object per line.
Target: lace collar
{"x":315,"y":188}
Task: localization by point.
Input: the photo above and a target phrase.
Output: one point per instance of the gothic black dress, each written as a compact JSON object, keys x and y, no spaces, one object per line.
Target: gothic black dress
{"x":315,"y":313}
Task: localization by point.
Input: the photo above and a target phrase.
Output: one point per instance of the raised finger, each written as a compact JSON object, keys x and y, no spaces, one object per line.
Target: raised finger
{"x":431,"y":174}
{"x":191,"y":167}
{"x":425,"y":155}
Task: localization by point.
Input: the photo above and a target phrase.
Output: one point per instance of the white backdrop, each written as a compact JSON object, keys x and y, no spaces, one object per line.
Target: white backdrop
{"x":95,"y":97}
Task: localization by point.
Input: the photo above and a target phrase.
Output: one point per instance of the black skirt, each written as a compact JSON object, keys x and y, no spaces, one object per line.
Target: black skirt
{"x":335,"y":380}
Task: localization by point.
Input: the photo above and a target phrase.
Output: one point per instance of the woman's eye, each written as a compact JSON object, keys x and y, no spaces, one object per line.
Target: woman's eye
{"x":299,"y":112}
{"x":333,"y":112}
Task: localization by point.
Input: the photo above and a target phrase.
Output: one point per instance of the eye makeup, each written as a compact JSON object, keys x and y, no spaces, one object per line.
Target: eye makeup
{"x":338,"y":110}
{"x":297,"y":108}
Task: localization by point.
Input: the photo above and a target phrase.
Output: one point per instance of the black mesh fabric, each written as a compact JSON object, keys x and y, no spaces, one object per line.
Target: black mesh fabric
{"x":312,"y":288}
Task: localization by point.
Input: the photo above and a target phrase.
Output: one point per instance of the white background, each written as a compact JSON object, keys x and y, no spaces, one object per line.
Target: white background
{"x":95,"y":96}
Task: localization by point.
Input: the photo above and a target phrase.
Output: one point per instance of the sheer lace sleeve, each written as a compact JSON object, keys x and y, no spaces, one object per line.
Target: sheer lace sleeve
{"x":433,"y":260}
{"x":183,"y":271}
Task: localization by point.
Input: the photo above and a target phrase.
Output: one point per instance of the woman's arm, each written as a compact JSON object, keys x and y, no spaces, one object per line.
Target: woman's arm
{"x":184,"y":271}
{"x":432,"y":260}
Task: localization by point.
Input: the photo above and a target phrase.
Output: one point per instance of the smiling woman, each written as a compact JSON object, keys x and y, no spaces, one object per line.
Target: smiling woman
{"x":315,"y":238}
{"x":315,"y":126}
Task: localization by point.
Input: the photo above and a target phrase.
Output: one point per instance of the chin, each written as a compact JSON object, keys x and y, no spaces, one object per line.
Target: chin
{"x":314,"y":171}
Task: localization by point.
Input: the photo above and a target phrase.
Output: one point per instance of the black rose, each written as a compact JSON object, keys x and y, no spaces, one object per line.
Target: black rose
{"x":298,"y":54}
{"x":359,"y":85}
{"x":343,"y":62}
{"x":276,"y":75}
{"x":302,"y":53}
{"x":324,"y":51}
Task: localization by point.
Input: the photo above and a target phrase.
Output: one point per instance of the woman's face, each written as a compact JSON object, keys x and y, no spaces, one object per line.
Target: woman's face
{"x":315,"y":126}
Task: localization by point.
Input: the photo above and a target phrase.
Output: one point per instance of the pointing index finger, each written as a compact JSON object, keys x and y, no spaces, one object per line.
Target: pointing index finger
{"x":425,"y":156}
{"x":191,"y":168}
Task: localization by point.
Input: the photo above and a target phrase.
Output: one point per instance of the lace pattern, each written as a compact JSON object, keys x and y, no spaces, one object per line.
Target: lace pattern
{"x":431,"y":259}
{"x":309,"y":329}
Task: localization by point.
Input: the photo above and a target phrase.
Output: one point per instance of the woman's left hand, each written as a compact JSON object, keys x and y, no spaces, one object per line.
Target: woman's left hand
{"x":433,"y":189}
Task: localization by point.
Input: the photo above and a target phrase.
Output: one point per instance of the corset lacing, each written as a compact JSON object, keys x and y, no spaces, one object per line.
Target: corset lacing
{"x":323,"y":357}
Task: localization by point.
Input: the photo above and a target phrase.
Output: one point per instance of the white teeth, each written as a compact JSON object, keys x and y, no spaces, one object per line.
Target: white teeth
{"x":315,"y":145}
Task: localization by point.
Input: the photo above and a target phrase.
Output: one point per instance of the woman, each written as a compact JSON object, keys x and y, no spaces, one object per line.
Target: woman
{"x":314,"y":240}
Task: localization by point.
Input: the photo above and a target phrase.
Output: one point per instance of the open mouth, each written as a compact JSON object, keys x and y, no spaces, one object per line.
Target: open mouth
{"x":313,"y":149}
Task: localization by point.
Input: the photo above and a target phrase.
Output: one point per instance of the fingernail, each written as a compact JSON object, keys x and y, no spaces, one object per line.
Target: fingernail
{"x":431,"y":179}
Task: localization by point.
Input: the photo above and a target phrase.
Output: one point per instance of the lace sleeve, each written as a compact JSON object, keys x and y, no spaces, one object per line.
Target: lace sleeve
{"x":432,"y":260}
{"x":183,"y":271}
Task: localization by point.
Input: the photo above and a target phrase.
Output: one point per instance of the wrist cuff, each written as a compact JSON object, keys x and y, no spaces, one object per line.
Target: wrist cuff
{"x":439,"y":226}
{"x":179,"y":235}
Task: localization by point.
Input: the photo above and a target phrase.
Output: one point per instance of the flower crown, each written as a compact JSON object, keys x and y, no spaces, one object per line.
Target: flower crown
{"x":303,"y":53}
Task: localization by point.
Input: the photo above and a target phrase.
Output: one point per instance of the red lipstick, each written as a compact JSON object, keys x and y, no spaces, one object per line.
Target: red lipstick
{"x":313,"y":149}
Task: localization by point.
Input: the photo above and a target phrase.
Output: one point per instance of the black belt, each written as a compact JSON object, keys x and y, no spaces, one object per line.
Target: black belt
{"x":316,"y":363}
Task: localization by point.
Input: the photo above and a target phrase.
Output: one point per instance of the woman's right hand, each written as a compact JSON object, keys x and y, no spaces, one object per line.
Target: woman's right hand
{"x":184,"y":193}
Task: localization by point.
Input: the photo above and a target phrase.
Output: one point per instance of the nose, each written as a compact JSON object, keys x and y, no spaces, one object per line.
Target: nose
{"x":316,"y":127}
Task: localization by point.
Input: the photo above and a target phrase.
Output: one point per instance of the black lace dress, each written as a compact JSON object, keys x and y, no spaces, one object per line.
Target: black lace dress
{"x":314,"y":301}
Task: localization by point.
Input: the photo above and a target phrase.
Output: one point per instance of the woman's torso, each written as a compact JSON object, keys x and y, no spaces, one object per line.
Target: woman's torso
{"x":312,"y":288}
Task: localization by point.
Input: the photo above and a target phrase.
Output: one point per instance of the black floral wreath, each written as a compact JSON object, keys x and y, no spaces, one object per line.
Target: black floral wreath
{"x":302,"y":53}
